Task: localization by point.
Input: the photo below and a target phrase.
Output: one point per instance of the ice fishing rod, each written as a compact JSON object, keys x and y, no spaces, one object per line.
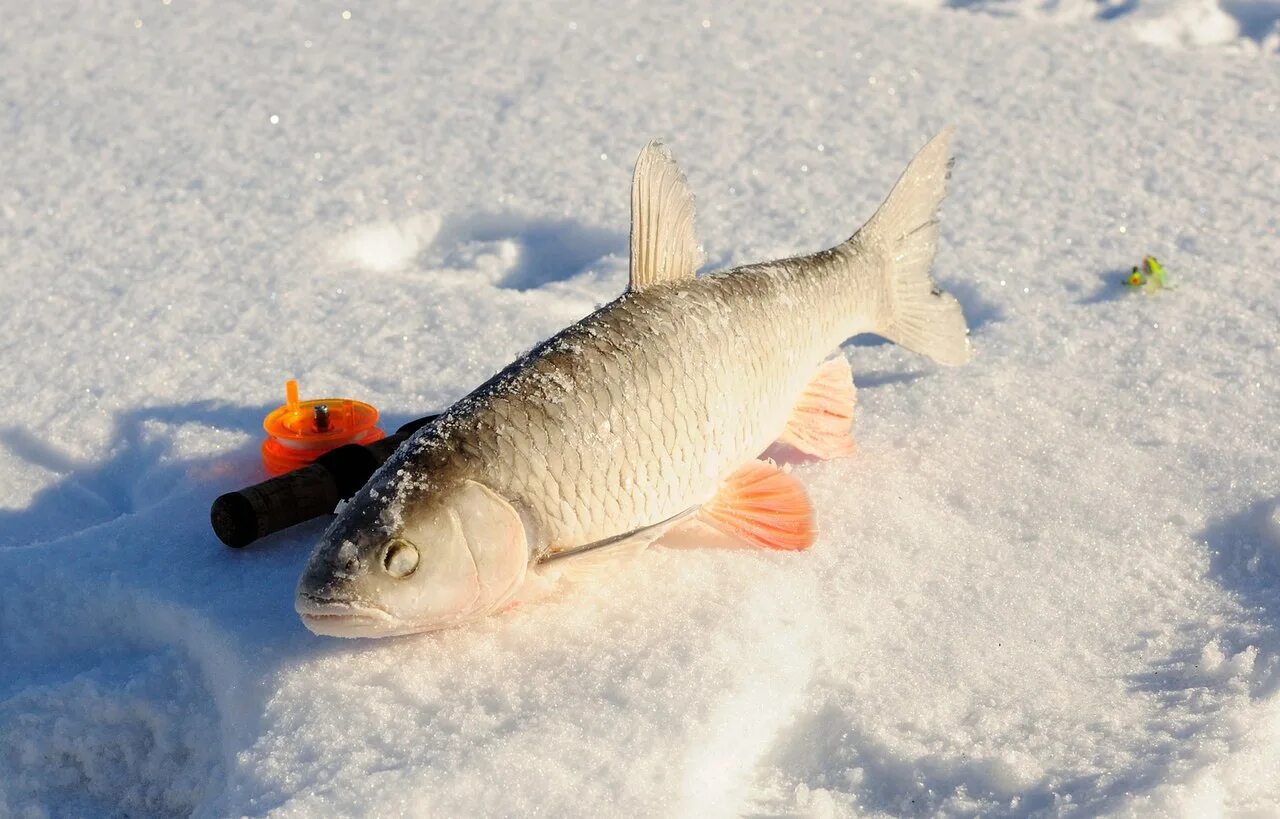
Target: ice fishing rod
{"x":320,"y":452}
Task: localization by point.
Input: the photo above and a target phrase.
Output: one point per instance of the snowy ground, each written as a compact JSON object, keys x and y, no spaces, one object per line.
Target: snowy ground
{"x":1049,"y":584}
{"x":1240,"y":26}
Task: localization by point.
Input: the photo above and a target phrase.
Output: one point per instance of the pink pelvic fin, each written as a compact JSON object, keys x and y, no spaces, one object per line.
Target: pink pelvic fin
{"x":764,"y":506}
{"x":821,"y":422}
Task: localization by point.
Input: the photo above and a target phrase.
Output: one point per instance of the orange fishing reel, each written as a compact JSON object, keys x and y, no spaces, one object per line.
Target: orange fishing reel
{"x":301,"y":431}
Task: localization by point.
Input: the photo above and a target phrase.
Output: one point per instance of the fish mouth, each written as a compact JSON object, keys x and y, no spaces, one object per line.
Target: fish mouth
{"x":335,"y":617}
{"x":338,"y":617}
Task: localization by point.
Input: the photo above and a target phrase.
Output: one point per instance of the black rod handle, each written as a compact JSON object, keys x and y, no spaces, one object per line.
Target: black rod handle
{"x":241,"y":517}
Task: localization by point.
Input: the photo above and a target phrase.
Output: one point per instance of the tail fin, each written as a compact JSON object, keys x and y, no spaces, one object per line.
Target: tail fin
{"x":904,"y":232}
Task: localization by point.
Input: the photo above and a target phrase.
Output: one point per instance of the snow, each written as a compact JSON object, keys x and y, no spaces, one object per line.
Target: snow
{"x":1049,"y":583}
{"x":1242,"y":26}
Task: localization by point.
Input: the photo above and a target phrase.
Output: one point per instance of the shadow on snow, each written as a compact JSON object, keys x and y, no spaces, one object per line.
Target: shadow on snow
{"x":550,"y":250}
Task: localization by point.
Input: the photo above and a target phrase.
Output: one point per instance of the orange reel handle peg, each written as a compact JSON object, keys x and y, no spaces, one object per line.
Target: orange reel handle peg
{"x":301,"y":431}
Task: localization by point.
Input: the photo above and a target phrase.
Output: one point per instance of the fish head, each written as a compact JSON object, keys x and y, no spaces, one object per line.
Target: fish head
{"x":384,"y":569}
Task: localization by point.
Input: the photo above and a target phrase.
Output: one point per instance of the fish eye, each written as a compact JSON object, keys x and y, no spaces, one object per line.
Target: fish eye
{"x":401,"y":558}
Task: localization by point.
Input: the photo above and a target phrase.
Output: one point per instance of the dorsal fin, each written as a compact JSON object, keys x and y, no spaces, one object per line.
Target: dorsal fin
{"x":664,"y":246}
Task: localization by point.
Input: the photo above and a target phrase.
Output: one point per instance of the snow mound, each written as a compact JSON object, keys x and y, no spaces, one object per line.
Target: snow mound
{"x":111,"y":734}
{"x":1243,"y":26}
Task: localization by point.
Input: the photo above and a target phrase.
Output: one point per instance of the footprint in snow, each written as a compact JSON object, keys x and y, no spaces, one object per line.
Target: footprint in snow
{"x":507,"y":250}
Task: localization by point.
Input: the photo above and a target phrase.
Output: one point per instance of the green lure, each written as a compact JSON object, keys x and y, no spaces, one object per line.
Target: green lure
{"x":1156,"y":277}
{"x":1150,"y":276}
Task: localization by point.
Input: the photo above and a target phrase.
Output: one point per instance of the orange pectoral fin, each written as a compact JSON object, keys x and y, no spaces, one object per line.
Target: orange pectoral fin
{"x":764,"y":506}
{"x":821,"y":422}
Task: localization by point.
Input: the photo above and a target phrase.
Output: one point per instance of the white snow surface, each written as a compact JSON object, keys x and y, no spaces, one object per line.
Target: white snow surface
{"x":1243,"y":26}
{"x":1048,"y":584}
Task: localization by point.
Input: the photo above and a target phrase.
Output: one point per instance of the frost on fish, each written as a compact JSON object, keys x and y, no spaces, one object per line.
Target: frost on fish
{"x":642,"y":410}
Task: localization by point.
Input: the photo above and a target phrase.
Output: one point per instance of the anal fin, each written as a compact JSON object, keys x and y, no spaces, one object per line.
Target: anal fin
{"x":764,"y":506}
{"x":822,"y":420}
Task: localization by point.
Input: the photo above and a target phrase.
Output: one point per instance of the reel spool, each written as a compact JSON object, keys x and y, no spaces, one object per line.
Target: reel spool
{"x":301,"y":431}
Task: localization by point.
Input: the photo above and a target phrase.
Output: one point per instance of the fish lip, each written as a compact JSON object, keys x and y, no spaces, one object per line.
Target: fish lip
{"x":335,"y":617}
{"x":312,"y":605}
{"x":332,"y":617}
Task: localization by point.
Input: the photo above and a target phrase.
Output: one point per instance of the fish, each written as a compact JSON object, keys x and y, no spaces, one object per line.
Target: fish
{"x":649,"y":414}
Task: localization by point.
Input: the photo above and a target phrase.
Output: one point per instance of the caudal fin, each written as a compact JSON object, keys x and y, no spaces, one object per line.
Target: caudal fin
{"x":904,"y":233}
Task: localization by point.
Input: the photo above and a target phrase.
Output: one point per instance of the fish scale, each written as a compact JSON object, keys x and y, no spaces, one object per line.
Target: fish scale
{"x":735,"y":391}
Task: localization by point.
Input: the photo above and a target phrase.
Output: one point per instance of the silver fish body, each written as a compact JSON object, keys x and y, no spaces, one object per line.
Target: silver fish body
{"x":629,"y":417}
